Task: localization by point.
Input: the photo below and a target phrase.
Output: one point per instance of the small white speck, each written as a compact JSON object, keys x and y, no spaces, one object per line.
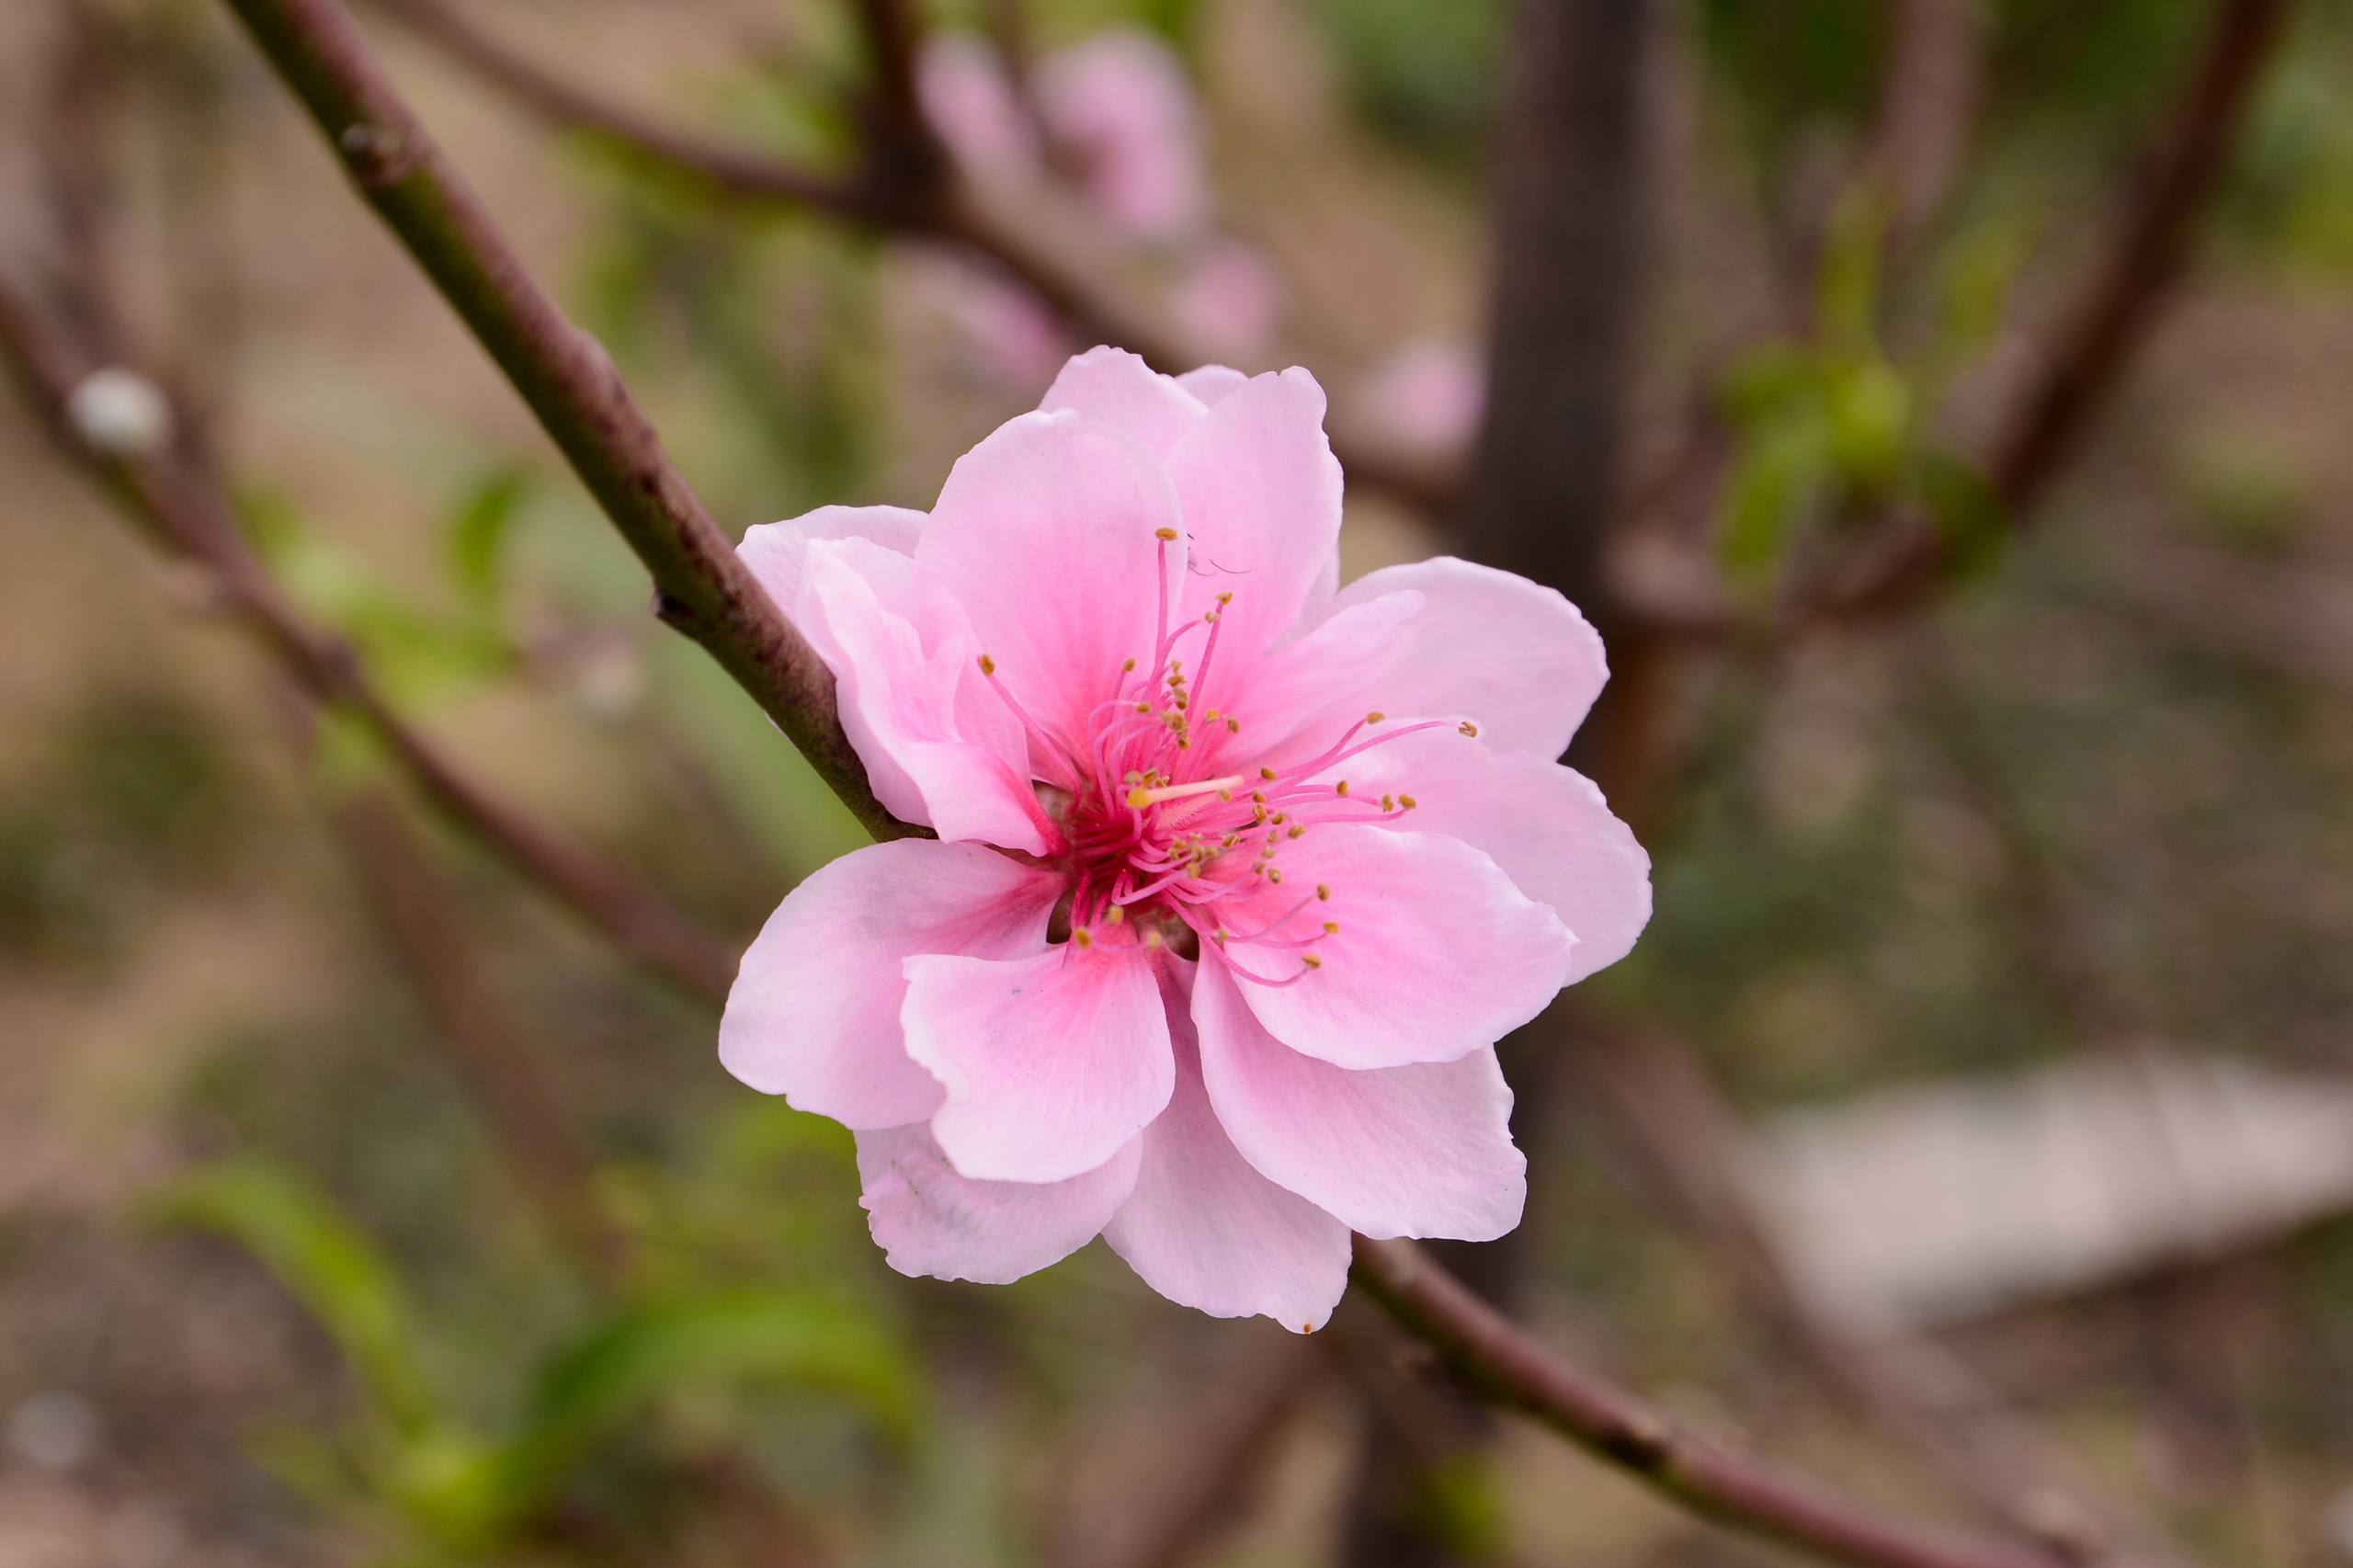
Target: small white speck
{"x":121,"y":413}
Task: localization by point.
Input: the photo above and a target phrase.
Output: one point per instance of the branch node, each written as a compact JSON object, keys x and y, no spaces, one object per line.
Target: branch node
{"x":378,"y":155}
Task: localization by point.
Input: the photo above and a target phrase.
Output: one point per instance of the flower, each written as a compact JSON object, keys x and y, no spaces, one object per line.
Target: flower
{"x":1240,"y":876}
{"x":1117,"y":106}
{"x":1427,"y":398}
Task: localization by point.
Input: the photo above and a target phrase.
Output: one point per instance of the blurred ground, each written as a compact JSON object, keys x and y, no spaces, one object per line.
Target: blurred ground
{"x":2105,"y":799}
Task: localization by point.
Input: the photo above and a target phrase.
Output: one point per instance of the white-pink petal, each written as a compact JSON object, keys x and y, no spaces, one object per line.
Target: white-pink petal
{"x":931,"y":1222}
{"x":1049,"y":529}
{"x":814,"y":1015}
{"x":1419,"y":1150}
{"x":1111,"y":386}
{"x":778,"y":553}
{"x":940,"y":748}
{"x":1512,"y":654}
{"x":1211,"y":383}
{"x":1546,"y":825}
{"x":1261,"y":496}
{"x":1207,"y":1231}
{"x":1050,"y":1063}
{"x":1437,"y":954}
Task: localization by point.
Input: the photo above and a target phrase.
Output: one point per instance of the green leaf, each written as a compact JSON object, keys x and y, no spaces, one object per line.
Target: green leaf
{"x":1848,"y":291}
{"x":1772,"y":481}
{"x":625,"y":1367}
{"x":482,"y":527}
{"x":325,"y":1261}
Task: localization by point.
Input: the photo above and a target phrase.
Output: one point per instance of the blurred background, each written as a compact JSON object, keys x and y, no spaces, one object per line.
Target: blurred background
{"x":1973,"y":1127}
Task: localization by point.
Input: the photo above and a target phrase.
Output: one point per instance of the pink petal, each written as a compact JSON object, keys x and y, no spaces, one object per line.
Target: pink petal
{"x":777,"y":553}
{"x":1051,"y":1063}
{"x":1111,"y":386}
{"x":1208,"y":1232}
{"x":961,"y":84}
{"x":815,"y":1012}
{"x":1419,"y":1150}
{"x":1049,"y":532}
{"x":1211,"y":383}
{"x":929,"y":1220}
{"x":1545,"y":824}
{"x":1261,"y":494}
{"x":1514,"y":655}
{"x":1437,"y":955}
{"x":1295,"y":692}
{"x":939,"y":746}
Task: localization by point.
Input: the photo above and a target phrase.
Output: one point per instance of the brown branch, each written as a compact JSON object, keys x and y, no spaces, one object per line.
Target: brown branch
{"x":1046,"y":248}
{"x":1654,"y":1092}
{"x":1500,"y":1360}
{"x":701,"y":587}
{"x":187,"y":512}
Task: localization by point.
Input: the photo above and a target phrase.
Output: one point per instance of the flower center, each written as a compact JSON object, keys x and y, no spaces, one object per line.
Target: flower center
{"x":1169,"y":815}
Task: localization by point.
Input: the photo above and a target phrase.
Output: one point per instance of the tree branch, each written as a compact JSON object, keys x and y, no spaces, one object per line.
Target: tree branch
{"x":1500,"y":1360}
{"x":701,"y":587}
{"x":186,"y":511}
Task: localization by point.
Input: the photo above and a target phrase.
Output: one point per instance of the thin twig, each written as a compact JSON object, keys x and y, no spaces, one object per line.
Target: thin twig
{"x":701,"y":587}
{"x":187,"y":513}
{"x":1499,"y":1359}
{"x":1654,"y":1092}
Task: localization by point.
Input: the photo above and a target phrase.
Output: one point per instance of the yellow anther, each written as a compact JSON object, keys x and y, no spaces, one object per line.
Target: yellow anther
{"x":1225,"y":794}
{"x":1311,"y":960}
{"x":1274,"y":873}
{"x":1144,"y":706}
{"x":1468,"y":728}
{"x":1222,"y":934}
{"x":1388,"y":802}
{"x":1331,"y":928}
{"x":1129,"y":668}
{"x":1234,"y":726}
{"x":1226,"y":597}
{"x":988,"y":665}
{"x":1268,"y":775}
{"x":1152,"y":937}
{"x":1083,"y":937}
{"x":1375,"y":717}
{"x":1164,"y":534}
{"x":1407,"y":802}
{"x":1323,"y":891}
{"x":1118,"y":913}
{"x":1259,"y":796}
{"x":1294,"y":831}
{"x":1341,"y":787}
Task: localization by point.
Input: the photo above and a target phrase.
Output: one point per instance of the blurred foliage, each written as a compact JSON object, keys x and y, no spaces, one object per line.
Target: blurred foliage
{"x":1423,"y":75}
{"x":138,"y":791}
{"x":448,"y":1491}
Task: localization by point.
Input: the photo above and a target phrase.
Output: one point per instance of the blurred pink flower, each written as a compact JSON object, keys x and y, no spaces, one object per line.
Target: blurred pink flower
{"x":1210,"y":956}
{"x":1229,"y":301}
{"x":1427,"y":397}
{"x":1119,"y":106}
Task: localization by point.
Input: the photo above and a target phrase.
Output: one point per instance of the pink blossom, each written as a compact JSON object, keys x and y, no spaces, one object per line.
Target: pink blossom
{"x":1427,"y":397}
{"x":1229,"y":300}
{"x":1119,"y":106}
{"x":1240,"y":875}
